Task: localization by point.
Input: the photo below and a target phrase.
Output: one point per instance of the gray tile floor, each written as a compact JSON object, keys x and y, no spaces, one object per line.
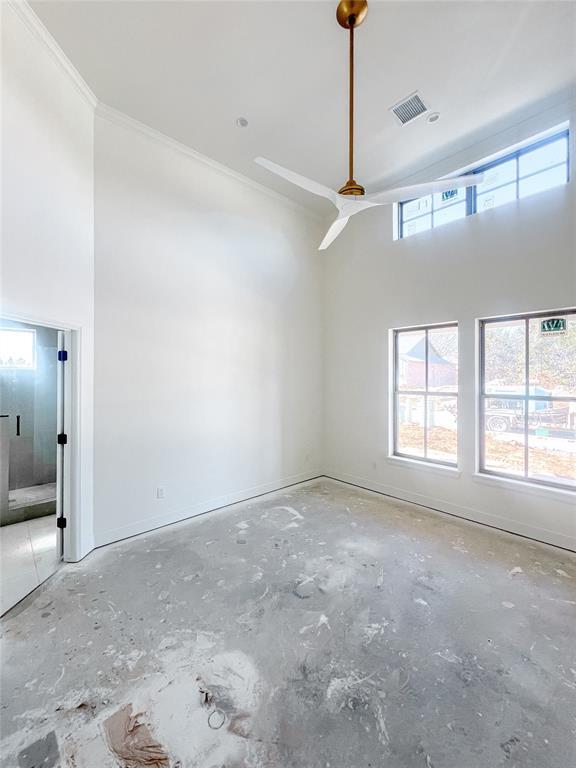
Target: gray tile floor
{"x":28,"y":556}
{"x":322,"y":627}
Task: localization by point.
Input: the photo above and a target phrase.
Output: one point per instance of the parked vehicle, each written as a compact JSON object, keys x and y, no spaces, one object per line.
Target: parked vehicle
{"x":508,"y":416}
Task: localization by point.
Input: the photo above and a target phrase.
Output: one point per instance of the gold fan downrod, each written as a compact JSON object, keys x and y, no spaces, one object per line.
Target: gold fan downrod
{"x":350,"y":14}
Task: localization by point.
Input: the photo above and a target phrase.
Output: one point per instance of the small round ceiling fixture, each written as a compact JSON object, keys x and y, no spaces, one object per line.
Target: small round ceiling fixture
{"x":434,"y":117}
{"x":241,"y":122}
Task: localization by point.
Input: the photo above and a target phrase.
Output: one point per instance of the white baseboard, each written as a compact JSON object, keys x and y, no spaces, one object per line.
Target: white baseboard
{"x":470,"y":514}
{"x":437,"y":506}
{"x":148,"y":524}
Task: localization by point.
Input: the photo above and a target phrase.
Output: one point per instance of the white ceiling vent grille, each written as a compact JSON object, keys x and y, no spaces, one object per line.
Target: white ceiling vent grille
{"x":409,"y":109}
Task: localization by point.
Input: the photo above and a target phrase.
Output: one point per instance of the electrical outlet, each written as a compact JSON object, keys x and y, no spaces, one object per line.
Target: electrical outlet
{"x":160,"y":492}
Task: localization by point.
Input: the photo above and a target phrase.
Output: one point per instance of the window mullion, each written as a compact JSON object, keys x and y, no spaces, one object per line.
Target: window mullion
{"x":395,"y":425}
{"x":395,"y":394}
{"x":426,"y":387}
{"x":470,"y":200}
{"x":482,"y":404}
{"x":526,"y":391}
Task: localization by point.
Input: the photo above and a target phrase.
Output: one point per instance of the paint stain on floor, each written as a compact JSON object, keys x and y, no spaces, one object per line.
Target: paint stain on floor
{"x":323,"y":627}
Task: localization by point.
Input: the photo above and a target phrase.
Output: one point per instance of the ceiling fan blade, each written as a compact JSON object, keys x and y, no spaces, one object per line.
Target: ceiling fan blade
{"x":401,"y":194}
{"x":335,"y":228}
{"x":298,"y":180}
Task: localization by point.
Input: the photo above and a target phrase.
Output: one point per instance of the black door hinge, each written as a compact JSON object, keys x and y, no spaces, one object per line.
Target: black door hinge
{"x":62,"y":355}
{"x":61,"y":522}
{"x":62,"y":439}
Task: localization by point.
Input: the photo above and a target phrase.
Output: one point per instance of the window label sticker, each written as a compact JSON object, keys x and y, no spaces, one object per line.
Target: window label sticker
{"x":553,"y":325}
{"x":449,"y":194}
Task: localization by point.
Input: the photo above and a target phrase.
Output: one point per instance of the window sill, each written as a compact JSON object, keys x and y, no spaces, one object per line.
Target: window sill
{"x":443,"y":469}
{"x":566,"y":495}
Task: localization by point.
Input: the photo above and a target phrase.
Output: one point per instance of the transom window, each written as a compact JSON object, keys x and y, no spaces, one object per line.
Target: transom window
{"x":528,"y":397}
{"x":425,"y":408}
{"x":17,"y":348}
{"x":535,"y":168}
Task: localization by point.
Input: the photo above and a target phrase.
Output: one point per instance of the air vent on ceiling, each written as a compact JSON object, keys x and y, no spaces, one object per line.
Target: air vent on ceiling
{"x":409,"y":109}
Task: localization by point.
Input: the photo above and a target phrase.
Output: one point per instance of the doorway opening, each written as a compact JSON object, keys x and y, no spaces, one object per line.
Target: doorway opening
{"x":32,"y":444}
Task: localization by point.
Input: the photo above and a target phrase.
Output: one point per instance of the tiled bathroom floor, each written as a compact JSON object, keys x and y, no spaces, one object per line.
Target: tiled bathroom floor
{"x":22,"y":497}
{"x":28,"y":555}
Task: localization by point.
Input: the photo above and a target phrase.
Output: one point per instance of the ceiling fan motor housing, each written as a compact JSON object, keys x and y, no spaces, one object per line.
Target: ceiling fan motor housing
{"x":351,"y":188}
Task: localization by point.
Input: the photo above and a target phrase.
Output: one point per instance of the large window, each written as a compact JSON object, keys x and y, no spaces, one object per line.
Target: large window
{"x":539,"y":166}
{"x":528,"y":397}
{"x":426,"y":393}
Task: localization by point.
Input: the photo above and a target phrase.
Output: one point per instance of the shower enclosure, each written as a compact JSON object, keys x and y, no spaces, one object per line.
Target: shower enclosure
{"x":29,"y":456}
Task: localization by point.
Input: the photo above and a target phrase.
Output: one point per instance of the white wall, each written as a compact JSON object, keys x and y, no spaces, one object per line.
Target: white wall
{"x":517,"y":258}
{"x":208,"y":335}
{"x":47,"y":217}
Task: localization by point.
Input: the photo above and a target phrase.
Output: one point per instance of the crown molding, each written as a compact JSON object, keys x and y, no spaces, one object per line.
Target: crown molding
{"x":31,"y":21}
{"x":35,"y":26}
{"x":120,"y":118}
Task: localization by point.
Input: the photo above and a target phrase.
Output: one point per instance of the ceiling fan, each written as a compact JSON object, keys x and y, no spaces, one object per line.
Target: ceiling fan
{"x":351,"y":198}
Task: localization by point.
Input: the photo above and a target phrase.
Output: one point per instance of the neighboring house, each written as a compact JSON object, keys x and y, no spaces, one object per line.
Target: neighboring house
{"x":441,"y":372}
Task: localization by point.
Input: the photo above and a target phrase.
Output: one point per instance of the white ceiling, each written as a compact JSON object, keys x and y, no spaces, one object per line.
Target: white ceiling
{"x":190,"y":69}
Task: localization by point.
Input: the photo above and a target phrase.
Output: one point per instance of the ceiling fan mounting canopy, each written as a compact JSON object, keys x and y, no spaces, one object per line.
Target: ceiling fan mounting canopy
{"x":351,"y":13}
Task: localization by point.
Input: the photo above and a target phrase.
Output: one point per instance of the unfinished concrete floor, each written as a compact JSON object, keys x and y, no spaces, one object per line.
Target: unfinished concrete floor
{"x":321,"y":627}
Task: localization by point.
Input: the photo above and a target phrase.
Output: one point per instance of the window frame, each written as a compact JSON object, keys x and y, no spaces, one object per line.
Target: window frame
{"x":525,"y":399}
{"x":471,"y":192}
{"x":425,"y":393}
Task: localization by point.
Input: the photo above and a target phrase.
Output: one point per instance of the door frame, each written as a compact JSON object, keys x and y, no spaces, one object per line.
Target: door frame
{"x":64,"y":426}
{"x":68,"y":403}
